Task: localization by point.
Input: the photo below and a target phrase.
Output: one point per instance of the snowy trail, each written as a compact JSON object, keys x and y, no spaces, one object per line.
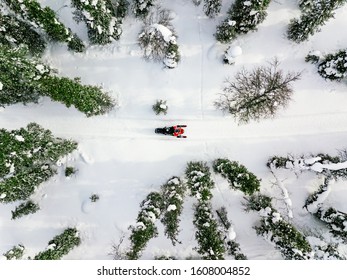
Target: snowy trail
{"x":198,"y":129}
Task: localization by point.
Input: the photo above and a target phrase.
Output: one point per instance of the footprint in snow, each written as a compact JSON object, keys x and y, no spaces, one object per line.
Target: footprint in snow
{"x":87,"y":206}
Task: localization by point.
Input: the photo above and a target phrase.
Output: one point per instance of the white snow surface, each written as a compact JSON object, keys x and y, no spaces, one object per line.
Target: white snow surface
{"x":122,"y":160}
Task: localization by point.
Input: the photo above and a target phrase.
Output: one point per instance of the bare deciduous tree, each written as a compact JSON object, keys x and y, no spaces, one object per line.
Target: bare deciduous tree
{"x":257,"y":94}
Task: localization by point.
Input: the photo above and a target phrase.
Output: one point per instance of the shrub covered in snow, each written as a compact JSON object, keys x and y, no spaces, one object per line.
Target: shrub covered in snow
{"x":173,"y":192}
{"x":325,"y":251}
{"x":237,"y":175}
{"x":100,"y":18}
{"x":212,"y":7}
{"x":199,"y":180}
{"x":15,"y":32}
{"x":209,"y":238}
{"x":46,"y":19}
{"x":334,"y":66}
{"x":28,"y":158}
{"x":243,"y":16}
{"x":145,"y":229}
{"x":335,"y":220}
{"x":258,"y":94}
{"x":315,"y":199}
{"x":160,"y":107}
{"x":158,"y":39}
{"x":315,"y":13}
{"x":231,"y":53}
{"x":256,"y":202}
{"x":16,"y":253}
{"x":142,"y":8}
{"x":25,"y":208}
{"x":60,"y":245}
{"x":91,"y":100}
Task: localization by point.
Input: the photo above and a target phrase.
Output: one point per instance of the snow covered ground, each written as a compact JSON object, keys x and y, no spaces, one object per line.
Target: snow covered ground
{"x":122,"y":160}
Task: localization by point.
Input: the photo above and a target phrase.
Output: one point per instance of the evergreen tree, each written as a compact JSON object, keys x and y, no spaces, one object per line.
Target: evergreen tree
{"x":28,"y":157}
{"x":334,"y":66}
{"x":173,"y":193}
{"x":315,"y":13}
{"x":209,"y":238}
{"x":20,"y":76}
{"x":60,"y":245}
{"x":145,"y":229}
{"x":16,"y":253}
{"x":142,"y":8}
{"x":212,"y":7}
{"x":243,"y":16}
{"x":237,"y":175}
{"x":158,"y":39}
{"x":101,"y":19}
{"x":23,"y":209}
{"x":258,"y":94}
{"x":24,"y":79}
{"x":199,"y":180}
{"x":15,"y":33}
{"x":46,"y":19}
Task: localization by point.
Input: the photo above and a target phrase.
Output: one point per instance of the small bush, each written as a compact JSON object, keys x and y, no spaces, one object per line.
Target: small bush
{"x":26,"y":208}
{"x":142,"y":8}
{"x":256,"y":202}
{"x":16,"y":253}
{"x":69,"y":170}
{"x":60,"y":245}
{"x":94,"y":197}
{"x":160,"y":107}
{"x":313,"y":57}
{"x":334,"y":66}
{"x":237,"y":175}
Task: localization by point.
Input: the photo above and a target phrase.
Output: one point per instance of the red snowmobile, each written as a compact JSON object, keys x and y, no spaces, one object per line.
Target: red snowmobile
{"x":176,"y":131}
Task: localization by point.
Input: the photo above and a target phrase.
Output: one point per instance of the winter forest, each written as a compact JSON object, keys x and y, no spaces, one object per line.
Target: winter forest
{"x":259,"y":86}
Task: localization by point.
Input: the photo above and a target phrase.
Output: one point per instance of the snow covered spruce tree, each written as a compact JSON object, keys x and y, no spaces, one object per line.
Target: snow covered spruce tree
{"x":335,"y":220}
{"x":60,"y":245}
{"x":334,"y":66}
{"x":208,"y":236}
{"x":16,"y":253}
{"x":28,"y":158}
{"x":232,"y":247}
{"x":173,"y":192}
{"x":24,"y":79}
{"x":26,"y":208}
{"x":100,"y":18}
{"x":199,"y":180}
{"x":46,"y":19}
{"x":142,"y":8}
{"x":291,"y":243}
{"x":315,"y":13}
{"x":237,"y":175}
{"x":258,"y":94}
{"x":158,"y":39}
{"x":15,"y":32}
{"x":243,"y":17}
{"x":145,"y":228}
{"x":212,"y":7}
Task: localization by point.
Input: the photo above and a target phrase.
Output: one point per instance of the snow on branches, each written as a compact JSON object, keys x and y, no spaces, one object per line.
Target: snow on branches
{"x":243,"y":16}
{"x":158,"y":39}
{"x":100,"y":17}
